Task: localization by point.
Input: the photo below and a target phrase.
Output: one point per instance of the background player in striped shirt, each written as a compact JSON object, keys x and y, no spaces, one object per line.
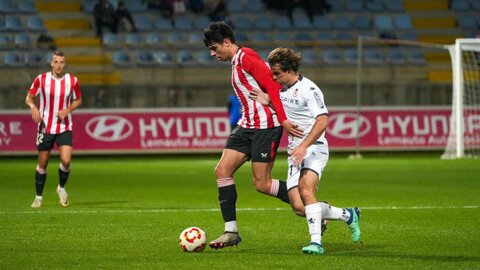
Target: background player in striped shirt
{"x":258,"y":133}
{"x":59,"y":94}
{"x":308,"y":155}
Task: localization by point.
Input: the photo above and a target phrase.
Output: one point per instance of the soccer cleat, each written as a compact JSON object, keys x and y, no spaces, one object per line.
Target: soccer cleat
{"x":225,"y":240}
{"x":354,"y":224}
{"x":63,"y":195}
{"x":313,"y":248}
{"x":37,"y":203}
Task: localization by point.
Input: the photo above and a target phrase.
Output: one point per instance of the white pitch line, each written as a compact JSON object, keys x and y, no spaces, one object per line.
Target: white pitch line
{"x":120,"y":211}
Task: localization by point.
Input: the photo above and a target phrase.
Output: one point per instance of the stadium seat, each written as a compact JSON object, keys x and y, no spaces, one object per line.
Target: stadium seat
{"x":403,"y":22}
{"x":375,"y":6}
{"x":264,"y":53}
{"x":35,"y":24}
{"x":460,"y":5}
{"x":176,"y":39}
{"x":122,"y":59}
{"x":6,"y":41}
{"x":163,"y":58}
{"x":35,"y":59}
{"x":262,"y":40}
{"x":262,"y":22}
{"x":14,"y":59}
{"x":6,"y":6}
{"x":27,"y":7}
{"x":321,"y":22}
{"x":205,"y":59}
{"x":183,"y":23}
{"x":136,"y":5}
{"x":361,"y":22}
{"x":154,"y":40}
{"x":383,"y":22}
{"x":241,"y":37}
{"x":88,"y":5}
{"x":282,"y":22}
{"x":332,"y":57}
{"x":22,"y":41}
{"x":301,"y":21}
{"x":241,"y":22}
{"x":200,"y":22}
{"x":282,"y":37}
{"x":112,"y":41}
{"x":466,"y":21}
{"x":344,"y":36}
{"x":394,"y":5}
{"x":195,"y":40}
{"x":254,"y":6}
{"x":395,"y":56}
{"x":143,"y":23}
{"x":350,"y":56}
{"x":309,"y":57}
{"x":415,"y":57}
{"x":373,"y":56}
{"x":325,"y":38}
{"x":163,"y":24}
{"x":475,"y":5}
{"x":134,"y":40}
{"x":341,"y":22}
{"x":235,"y":7}
{"x":13,"y":23}
{"x":185,"y":58}
{"x":336,"y":6}
{"x":354,"y":5}
{"x":303,"y":40}
{"x":145,"y":59}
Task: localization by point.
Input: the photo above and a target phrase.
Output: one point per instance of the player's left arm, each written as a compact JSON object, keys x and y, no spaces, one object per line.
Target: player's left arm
{"x":316,"y":105}
{"x":77,"y":102}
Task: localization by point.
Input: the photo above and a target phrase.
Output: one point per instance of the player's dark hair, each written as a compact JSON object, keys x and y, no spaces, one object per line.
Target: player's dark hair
{"x":217,"y":32}
{"x":287,"y":58}
{"x":58,"y":53}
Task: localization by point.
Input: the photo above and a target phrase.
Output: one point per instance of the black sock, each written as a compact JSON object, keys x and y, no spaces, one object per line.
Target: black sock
{"x":40,"y":182}
{"x":283,"y":192}
{"x":227,"y":196}
{"x":63,"y":177}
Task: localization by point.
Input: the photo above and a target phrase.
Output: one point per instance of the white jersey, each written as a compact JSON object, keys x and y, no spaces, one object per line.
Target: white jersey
{"x":303,"y":103}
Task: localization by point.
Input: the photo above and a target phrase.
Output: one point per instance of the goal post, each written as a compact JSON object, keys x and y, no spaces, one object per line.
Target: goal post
{"x":464,"y":133}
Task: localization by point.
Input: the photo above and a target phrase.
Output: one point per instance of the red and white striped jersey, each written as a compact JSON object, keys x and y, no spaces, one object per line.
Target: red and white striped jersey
{"x":55,"y":94}
{"x":249,"y":71}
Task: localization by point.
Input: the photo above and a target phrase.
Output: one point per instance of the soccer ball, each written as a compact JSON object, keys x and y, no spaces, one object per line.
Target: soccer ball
{"x":193,"y":239}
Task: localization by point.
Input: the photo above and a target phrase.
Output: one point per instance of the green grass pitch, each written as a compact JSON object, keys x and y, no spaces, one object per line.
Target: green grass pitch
{"x":418,"y":212}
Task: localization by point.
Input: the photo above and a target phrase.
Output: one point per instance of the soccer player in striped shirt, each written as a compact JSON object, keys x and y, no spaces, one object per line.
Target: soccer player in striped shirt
{"x":308,"y":155}
{"x":259,"y":129}
{"x":59,"y":94}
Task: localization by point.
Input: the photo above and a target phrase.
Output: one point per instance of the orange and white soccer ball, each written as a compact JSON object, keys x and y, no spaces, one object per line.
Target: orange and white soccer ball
{"x":193,"y":239}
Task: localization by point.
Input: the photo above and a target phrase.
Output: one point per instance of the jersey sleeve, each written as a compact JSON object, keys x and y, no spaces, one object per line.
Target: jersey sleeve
{"x":315,"y":102}
{"x":35,"y":86}
{"x":262,"y":74}
{"x":76,"y":89}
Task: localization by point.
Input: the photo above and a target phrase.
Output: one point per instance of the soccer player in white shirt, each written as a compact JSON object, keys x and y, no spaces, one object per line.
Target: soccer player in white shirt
{"x":59,"y":94}
{"x":304,"y":104}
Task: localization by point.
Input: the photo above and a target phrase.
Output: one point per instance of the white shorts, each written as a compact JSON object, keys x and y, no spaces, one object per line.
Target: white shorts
{"x":315,"y":160}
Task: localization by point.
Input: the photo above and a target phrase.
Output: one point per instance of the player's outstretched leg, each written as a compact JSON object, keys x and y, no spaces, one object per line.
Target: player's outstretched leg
{"x":354,"y":223}
{"x":313,"y":248}
{"x":225,"y":240}
{"x":63,"y":195}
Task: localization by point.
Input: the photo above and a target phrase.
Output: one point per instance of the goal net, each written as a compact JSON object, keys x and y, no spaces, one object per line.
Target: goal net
{"x":464,"y":136}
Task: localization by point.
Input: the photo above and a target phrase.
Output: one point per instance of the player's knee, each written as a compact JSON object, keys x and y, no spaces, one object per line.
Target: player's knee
{"x":261,"y":186}
{"x":298,"y":209}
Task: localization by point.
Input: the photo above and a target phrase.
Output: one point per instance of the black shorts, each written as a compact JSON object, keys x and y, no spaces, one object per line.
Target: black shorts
{"x":45,"y":141}
{"x":260,"y":145}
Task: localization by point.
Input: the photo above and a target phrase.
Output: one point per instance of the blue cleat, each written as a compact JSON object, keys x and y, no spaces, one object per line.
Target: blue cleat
{"x":313,"y":248}
{"x":354,"y":223}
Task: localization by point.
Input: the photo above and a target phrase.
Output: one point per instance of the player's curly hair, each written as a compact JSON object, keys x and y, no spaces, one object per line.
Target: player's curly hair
{"x":287,"y":58}
{"x":217,"y":32}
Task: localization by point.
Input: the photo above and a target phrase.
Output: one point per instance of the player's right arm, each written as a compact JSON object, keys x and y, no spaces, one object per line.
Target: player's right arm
{"x":30,"y":101}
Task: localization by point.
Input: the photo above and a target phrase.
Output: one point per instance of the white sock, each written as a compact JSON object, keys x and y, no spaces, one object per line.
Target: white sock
{"x":313,"y":214}
{"x":334,"y":213}
{"x":38,"y":197}
{"x":231,"y":226}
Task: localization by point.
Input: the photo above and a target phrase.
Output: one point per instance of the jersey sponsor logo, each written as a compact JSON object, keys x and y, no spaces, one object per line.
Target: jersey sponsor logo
{"x":344,"y":126}
{"x":109,"y":128}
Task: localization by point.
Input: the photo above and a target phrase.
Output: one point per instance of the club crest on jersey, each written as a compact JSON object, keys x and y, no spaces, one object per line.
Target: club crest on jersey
{"x":295,"y":92}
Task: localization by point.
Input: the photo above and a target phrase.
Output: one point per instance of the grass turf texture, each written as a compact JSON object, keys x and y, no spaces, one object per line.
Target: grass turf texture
{"x":127,"y":213}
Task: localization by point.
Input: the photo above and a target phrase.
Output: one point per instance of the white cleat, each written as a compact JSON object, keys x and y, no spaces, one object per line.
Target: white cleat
{"x":37,"y":203}
{"x":63,"y":195}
